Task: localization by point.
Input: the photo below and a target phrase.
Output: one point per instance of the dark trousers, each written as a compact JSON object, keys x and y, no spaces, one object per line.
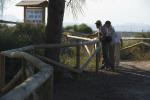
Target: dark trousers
{"x":106,"y":54}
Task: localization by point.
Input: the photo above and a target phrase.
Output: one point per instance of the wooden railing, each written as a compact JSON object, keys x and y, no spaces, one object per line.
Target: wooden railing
{"x":34,"y":80}
{"x":30,"y":81}
{"x":8,"y":22}
{"x":135,"y":44}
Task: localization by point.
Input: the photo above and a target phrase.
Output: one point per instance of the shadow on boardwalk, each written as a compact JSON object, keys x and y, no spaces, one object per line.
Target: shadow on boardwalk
{"x":126,"y":83}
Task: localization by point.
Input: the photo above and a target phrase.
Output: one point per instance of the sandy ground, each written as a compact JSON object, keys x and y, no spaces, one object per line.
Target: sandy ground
{"x":131,"y":81}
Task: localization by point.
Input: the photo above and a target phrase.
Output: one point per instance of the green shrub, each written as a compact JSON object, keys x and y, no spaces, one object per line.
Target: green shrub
{"x":20,"y":35}
{"x":82,"y":28}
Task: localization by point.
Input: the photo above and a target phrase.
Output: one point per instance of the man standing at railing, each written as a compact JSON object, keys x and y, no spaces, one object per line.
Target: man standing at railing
{"x":107,"y":33}
{"x":99,"y":26}
{"x":98,"y":34}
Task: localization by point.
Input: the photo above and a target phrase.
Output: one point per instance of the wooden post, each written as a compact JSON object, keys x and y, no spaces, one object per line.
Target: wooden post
{"x":45,"y":92}
{"x":43,"y":15}
{"x":78,"y":55}
{"x":25,"y":14}
{"x":97,"y":57}
{"x":2,"y":71}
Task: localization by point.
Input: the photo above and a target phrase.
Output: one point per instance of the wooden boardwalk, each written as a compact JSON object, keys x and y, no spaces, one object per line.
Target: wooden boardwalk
{"x":129,"y":82}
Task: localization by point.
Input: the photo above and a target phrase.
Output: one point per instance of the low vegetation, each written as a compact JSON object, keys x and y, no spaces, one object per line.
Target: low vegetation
{"x":20,"y":35}
{"x":82,"y":28}
{"x":26,"y":34}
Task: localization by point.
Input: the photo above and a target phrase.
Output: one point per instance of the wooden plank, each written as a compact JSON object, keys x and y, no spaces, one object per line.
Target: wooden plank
{"x":29,"y":73}
{"x":87,"y":50}
{"x":26,"y":88}
{"x":78,"y":56}
{"x":147,"y":44}
{"x":140,"y":43}
{"x":27,"y":48}
{"x":43,"y":46}
{"x":83,"y":66}
{"x":12,"y":82}
{"x":45,"y":92}
{"x":58,"y":64}
{"x":136,"y":44}
{"x":8,"y":22}
{"x":134,"y":38}
{"x":80,"y":38}
{"x":98,"y":57}
{"x":2,"y":71}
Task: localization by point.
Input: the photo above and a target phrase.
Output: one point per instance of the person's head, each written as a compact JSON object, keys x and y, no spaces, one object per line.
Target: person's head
{"x":108,"y":23}
{"x":98,"y":23}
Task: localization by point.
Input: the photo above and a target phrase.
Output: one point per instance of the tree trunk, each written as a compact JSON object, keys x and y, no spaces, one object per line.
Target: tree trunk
{"x":54,"y":26}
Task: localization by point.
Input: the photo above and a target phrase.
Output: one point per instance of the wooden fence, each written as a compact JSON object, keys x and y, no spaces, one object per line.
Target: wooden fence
{"x":8,"y":22}
{"x":31,"y":85}
{"x":135,"y":44}
{"x":34,"y":80}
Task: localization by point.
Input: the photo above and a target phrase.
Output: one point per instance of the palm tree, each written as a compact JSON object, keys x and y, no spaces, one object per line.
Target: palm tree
{"x":53,"y":31}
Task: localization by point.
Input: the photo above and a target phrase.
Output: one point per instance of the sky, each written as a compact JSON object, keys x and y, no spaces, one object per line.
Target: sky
{"x":117,"y":11}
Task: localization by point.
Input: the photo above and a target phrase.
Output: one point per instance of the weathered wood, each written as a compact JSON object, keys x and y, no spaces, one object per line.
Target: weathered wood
{"x":2,"y":71}
{"x":12,"y":82}
{"x":87,"y":50}
{"x":8,"y":22}
{"x":98,"y":57}
{"x":44,"y":77}
{"x":58,"y":64}
{"x":78,"y":55}
{"x":132,"y":46}
{"x":140,"y":43}
{"x":83,"y":66}
{"x":80,"y":38}
{"x":43,"y":46}
{"x":134,"y":38}
{"x":27,"y":48}
{"x":147,"y":44}
{"x":32,"y":83}
{"x":29,"y":72}
{"x":45,"y":92}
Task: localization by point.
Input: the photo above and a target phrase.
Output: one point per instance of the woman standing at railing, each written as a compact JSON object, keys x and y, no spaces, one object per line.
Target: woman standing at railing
{"x":115,"y":49}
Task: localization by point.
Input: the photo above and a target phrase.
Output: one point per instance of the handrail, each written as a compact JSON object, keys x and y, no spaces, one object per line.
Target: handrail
{"x":9,"y":22}
{"x":32,"y":47}
{"x":139,"y":43}
{"x":45,"y":71}
{"x":65,"y":45}
{"x":81,"y":38}
{"x":26,"y":48}
{"x":134,"y":38}
{"x":29,"y":85}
